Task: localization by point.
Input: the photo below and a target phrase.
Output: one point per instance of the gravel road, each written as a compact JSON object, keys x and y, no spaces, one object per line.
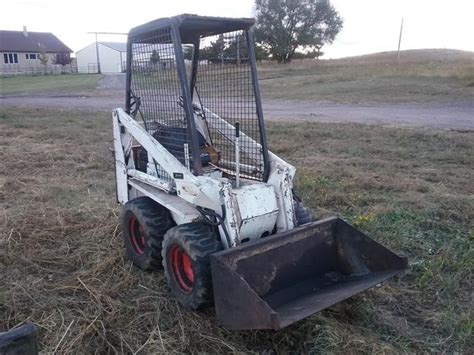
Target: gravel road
{"x":110,"y":94}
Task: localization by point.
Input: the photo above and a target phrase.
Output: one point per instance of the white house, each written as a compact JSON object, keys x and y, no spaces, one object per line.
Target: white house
{"x":23,"y":52}
{"x":112,"y":57}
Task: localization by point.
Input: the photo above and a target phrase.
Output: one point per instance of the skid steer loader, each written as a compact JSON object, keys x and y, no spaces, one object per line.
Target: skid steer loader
{"x":204,"y":198}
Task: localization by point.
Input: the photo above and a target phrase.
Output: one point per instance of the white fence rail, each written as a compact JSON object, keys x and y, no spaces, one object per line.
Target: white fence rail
{"x":55,"y":69}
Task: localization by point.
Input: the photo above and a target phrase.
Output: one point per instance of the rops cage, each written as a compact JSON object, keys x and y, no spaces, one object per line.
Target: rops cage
{"x":192,"y":82}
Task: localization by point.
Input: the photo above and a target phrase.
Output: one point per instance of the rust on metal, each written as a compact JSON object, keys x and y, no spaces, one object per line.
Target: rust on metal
{"x":276,"y":281}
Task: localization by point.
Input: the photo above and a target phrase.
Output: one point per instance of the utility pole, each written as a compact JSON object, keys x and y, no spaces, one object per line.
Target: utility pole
{"x":400,"y":40}
{"x":97,"y":45}
{"x":97,"y":54}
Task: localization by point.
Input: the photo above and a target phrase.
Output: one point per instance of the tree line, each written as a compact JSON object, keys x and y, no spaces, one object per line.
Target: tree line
{"x":284,"y":30}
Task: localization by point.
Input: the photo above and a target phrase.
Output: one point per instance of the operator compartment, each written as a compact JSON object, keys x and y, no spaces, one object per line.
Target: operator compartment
{"x":215,"y":57}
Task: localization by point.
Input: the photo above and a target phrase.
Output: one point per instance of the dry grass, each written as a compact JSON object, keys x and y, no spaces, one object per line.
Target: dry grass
{"x":62,"y":265}
{"x":420,"y":76}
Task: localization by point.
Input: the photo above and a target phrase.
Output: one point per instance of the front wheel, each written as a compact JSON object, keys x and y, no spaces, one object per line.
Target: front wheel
{"x":185,"y":253}
{"x":144,"y":223}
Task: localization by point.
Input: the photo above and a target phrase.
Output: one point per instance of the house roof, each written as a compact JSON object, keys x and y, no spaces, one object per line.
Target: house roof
{"x":16,"y":41}
{"x":118,"y":46}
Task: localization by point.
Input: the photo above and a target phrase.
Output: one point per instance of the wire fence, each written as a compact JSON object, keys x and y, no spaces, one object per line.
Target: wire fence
{"x":224,"y":85}
{"x":155,"y":85}
{"x":10,"y":70}
{"x":222,"y":93}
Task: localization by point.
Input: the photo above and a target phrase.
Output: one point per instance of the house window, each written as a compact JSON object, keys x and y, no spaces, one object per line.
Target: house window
{"x":10,"y":58}
{"x":31,"y":56}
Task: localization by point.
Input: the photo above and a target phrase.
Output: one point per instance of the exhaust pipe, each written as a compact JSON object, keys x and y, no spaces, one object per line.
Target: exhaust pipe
{"x":276,"y":281}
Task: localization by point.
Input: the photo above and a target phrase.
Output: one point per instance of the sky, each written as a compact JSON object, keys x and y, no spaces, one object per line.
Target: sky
{"x":369,"y":25}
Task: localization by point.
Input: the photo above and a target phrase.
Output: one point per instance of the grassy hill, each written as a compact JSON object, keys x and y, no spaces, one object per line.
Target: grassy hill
{"x":427,"y":75}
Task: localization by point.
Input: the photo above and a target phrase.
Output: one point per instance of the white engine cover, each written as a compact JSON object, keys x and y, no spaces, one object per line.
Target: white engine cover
{"x":258,"y":210}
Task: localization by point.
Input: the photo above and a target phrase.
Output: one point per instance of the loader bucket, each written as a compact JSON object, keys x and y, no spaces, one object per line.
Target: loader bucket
{"x":276,"y":281}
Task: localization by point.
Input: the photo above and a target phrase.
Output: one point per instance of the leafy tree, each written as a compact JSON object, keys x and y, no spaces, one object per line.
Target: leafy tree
{"x":260,"y":53}
{"x":313,"y":54}
{"x":43,"y":57}
{"x":155,"y":57}
{"x":188,"y":51}
{"x":214,"y":52}
{"x":63,"y":59}
{"x":230,"y":51}
{"x":285,"y":25}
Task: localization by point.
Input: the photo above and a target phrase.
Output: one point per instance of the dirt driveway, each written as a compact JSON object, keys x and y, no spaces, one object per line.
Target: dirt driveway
{"x":454,"y":116}
{"x":110,"y":94}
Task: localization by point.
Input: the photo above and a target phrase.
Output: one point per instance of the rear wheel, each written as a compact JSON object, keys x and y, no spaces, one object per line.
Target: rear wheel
{"x":185,"y":254}
{"x":144,"y":223}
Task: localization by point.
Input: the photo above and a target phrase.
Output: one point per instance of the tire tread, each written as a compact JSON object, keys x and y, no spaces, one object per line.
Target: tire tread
{"x":199,"y":241}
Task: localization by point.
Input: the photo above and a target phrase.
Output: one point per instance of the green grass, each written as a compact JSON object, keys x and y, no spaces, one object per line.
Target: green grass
{"x":420,"y":76}
{"x":67,"y":83}
{"x":62,"y":265}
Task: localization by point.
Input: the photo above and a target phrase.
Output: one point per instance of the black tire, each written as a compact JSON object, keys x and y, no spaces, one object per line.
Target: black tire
{"x":144,"y":224}
{"x":185,"y":254}
{"x":303,"y":213}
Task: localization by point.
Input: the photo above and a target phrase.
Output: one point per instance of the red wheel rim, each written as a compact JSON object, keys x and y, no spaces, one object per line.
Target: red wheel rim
{"x":137,"y":236}
{"x":182,"y":267}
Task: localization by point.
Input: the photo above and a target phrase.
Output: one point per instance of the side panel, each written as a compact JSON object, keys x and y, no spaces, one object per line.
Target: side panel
{"x":258,"y":210}
{"x":120,"y":166}
{"x":281,"y":177}
{"x":182,"y":211}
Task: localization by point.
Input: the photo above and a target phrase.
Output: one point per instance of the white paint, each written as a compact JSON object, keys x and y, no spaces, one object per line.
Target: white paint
{"x":251,"y":210}
{"x":181,"y":211}
{"x":150,"y":180}
{"x":281,"y":178}
{"x":258,"y":209}
{"x":154,"y":149}
{"x":120,"y":167}
{"x":112,"y":60}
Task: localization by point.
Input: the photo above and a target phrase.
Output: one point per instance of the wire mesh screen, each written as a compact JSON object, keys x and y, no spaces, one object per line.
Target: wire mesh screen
{"x":156,"y":94}
{"x":225,"y":89}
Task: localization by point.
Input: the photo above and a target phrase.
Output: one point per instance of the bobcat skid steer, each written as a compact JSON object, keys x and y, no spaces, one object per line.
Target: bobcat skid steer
{"x":205,"y":199}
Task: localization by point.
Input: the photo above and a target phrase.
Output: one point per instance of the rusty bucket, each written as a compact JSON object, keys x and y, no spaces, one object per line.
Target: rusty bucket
{"x":273,"y":282}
